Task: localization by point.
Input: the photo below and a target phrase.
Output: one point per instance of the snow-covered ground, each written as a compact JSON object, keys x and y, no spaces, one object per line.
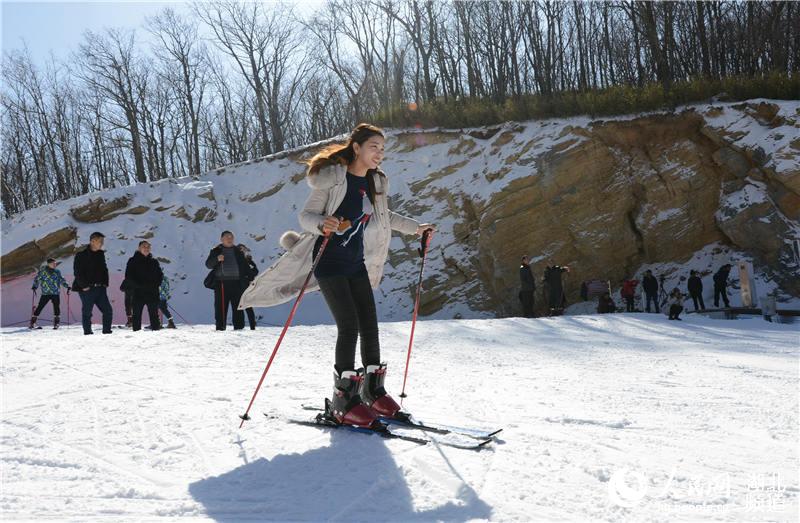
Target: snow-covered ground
{"x":621,"y":417}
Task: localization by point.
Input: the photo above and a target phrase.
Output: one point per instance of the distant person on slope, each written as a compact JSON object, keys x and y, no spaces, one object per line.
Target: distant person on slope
{"x":527,"y":288}
{"x":675,"y":304}
{"x":349,"y":203}
{"x":252,"y":272}
{"x":628,"y":293}
{"x":230,"y":280}
{"x":605,"y":304}
{"x":143,"y":274}
{"x":695,"y":288}
{"x":91,"y":282}
{"x":721,"y":285}
{"x":650,"y":287}
{"x":51,"y":281}
{"x":556,"y":300}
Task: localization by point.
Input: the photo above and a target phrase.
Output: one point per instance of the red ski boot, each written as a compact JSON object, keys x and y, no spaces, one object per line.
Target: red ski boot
{"x":374,"y":395}
{"x":346,"y":406}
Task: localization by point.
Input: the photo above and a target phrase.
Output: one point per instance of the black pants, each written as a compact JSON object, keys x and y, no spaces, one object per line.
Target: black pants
{"x":95,"y":296}
{"x":128,"y":304}
{"x":251,"y":317}
{"x":227,"y":293}
{"x":526,"y":297}
{"x":352,"y":305}
{"x":721,"y":291}
{"x":629,"y":303}
{"x":698,"y":299}
{"x":55,"y":298}
{"x":654,"y":299}
{"x":152,"y":312}
{"x":675,"y":311}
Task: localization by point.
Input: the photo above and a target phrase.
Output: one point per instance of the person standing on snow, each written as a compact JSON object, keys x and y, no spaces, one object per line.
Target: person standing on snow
{"x":349,"y":203}
{"x":91,"y":282}
{"x":252,"y":272}
{"x":163,"y":306}
{"x":650,"y":287}
{"x":230,"y":280}
{"x":527,"y":288}
{"x":628,"y":293}
{"x":556,"y":300}
{"x":721,"y":285}
{"x":51,"y":282}
{"x":143,"y":274}
{"x":695,"y":288}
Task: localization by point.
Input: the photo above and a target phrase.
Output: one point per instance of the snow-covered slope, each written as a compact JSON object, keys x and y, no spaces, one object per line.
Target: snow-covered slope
{"x":617,"y":418}
{"x":609,"y":197}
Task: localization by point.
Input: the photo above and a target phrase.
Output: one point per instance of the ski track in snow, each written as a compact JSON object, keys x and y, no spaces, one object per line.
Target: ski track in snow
{"x":612,"y":418}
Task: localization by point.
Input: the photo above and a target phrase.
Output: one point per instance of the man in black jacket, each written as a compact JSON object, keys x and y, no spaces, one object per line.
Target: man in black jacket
{"x":91,"y":281}
{"x":143,"y":274}
{"x":721,"y":285}
{"x":650,"y":286}
{"x":527,"y":288}
{"x":230,"y":279}
{"x":695,"y":287}
{"x":556,"y":299}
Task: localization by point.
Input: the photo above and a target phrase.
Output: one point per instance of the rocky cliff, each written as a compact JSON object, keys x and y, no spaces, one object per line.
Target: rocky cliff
{"x":697,"y":188}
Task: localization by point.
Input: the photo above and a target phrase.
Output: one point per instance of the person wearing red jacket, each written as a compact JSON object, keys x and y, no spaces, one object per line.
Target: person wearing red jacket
{"x":628,"y":293}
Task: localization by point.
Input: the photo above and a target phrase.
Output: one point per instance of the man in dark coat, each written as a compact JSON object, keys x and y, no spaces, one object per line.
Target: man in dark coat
{"x":143,"y":274}
{"x":721,"y":285}
{"x":527,"y":288}
{"x":695,"y":287}
{"x":91,"y":281}
{"x":556,"y":300}
{"x":230,"y":280}
{"x":650,"y":287}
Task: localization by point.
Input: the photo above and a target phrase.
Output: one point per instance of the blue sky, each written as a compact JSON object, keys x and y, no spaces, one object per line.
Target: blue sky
{"x":59,"y":26}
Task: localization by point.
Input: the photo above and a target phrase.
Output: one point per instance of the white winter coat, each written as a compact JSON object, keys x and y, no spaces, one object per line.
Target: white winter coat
{"x":282,"y":282}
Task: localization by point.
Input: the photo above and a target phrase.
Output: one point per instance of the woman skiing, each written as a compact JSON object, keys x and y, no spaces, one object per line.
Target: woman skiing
{"x":348,"y":203}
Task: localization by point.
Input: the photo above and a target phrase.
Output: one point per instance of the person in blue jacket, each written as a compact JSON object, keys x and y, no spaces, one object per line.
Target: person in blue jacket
{"x":163,"y":306}
{"x":51,"y":281}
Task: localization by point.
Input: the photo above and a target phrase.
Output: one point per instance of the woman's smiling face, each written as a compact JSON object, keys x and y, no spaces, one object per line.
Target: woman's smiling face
{"x":370,"y":153}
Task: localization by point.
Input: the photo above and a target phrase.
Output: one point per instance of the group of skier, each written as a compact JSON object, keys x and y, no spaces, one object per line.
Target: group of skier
{"x":556,"y":300}
{"x":145,"y":285}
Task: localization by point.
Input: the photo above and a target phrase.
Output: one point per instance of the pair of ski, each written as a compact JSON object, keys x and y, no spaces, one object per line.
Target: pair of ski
{"x":407,"y":429}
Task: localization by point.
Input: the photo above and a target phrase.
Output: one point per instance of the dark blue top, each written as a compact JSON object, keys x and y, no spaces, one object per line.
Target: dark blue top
{"x":344,"y":254}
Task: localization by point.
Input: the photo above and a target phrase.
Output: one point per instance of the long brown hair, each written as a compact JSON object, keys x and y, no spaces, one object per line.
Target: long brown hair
{"x":344,"y":154}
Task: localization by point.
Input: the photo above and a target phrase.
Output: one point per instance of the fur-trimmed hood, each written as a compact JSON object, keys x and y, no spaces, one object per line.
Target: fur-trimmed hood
{"x":331,"y":175}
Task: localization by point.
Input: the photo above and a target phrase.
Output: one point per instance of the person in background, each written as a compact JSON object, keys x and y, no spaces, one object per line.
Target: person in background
{"x":695,"y":288}
{"x":721,"y":285}
{"x":527,"y":288}
{"x":605,"y":304}
{"x":91,"y":283}
{"x":51,"y":282}
{"x":650,"y":287}
{"x":230,"y":280}
{"x":128,"y":293}
{"x":675,"y":304}
{"x":252,"y":272}
{"x":628,"y":293}
{"x":556,"y":300}
{"x":143,"y":274}
{"x":163,"y":306}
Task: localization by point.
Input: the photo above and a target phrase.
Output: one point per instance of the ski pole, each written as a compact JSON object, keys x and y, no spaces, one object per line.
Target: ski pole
{"x":179,"y":315}
{"x":322,"y":246}
{"x":423,"y":251}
